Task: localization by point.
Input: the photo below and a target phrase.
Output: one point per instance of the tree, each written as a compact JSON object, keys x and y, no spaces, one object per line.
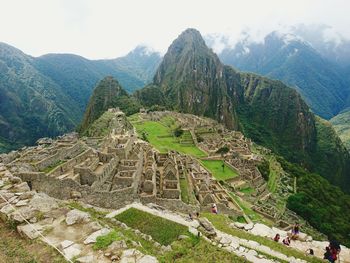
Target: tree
{"x":223,"y":150}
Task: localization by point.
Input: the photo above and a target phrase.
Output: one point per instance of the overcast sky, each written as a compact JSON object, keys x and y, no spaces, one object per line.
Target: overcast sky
{"x":111,"y":28}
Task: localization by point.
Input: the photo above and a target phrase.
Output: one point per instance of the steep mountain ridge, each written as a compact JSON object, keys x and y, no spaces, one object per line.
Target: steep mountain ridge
{"x":47,"y":95}
{"x":294,"y":61}
{"x":192,"y":79}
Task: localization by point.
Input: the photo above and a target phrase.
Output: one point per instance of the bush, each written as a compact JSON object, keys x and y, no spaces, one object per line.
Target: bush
{"x":178,"y":132}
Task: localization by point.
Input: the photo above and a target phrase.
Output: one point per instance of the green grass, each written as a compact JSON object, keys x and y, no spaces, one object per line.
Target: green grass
{"x":255,"y":217}
{"x":197,"y":250}
{"x":159,"y":134}
{"x":222,"y":223}
{"x":247,"y":190}
{"x":184,"y":191}
{"x":215,"y":167}
{"x":104,"y":241}
{"x":162,"y":230}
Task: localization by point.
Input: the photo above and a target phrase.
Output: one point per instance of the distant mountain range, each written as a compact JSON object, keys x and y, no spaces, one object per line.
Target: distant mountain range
{"x":305,"y":58}
{"x":47,"y":95}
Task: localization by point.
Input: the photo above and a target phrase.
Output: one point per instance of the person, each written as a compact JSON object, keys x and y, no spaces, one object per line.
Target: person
{"x":328,"y":255}
{"x":286,"y":241}
{"x":190,"y":216}
{"x":197,"y":214}
{"x":334,"y":248}
{"x":214,"y":209}
{"x":277,"y":237}
{"x":295,"y":231}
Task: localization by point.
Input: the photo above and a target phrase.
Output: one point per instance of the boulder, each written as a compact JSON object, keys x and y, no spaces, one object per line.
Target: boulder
{"x":43,"y":202}
{"x":206,"y":224}
{"x":148,"y":259}
{"x":116,"y":247}
{"x":180,"y":237}
{"x":75,"y":195}
{"x":262,"y":230}
{"x":131,"y":255}
{"x":15,"y":179}
{"x":76,"y":216}
{"x":30,"y":231}
{"x":72,"y":251}
{"x":86,"y":259}
{"x":193,"y":231}
{"x":64,"y":244}
{"x":26,"y":195}
{"x":249,"y":226}
{"x":253,"y":252}
{"x":238,"y":225}
{"x":22,"y":187}
{"x":23,"y":213}
{"x":22,"y":203}
{"x":6,"y":211}
{"x":92,"y":238}
{"x":225,"y":241}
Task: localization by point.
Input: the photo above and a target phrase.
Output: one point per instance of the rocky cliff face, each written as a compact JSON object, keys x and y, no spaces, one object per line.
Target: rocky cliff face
{"x":192,"y":79}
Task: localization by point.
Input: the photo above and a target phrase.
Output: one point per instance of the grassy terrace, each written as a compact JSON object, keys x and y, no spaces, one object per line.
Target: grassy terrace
{"x":222,"y":223}
{"x":187,"y":250}
{"x":159,"y":134}
{"x":162,"y":230}
{"x":215,"y":167}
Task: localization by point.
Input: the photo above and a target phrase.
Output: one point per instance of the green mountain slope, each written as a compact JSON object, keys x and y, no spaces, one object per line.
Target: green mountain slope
{"x":107,"y":94}
{"x":192,"y":79}
{"x":341,"y":124}
{"x":31,"y":105}
{"x":295,"y":62}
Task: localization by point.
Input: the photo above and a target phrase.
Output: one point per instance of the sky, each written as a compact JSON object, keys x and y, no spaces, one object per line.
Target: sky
{"x":111,"y":28}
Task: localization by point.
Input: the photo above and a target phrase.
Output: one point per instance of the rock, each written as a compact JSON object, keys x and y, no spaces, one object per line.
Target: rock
{"x":1,"y":183}
{"x":130,"y":256}
{"x":26,"y":195}
{"x":76,"y":216}
{"x":148,"y":259}
{"x":64,"y":244}
{"x":234,"y":245}
{"x":43,"y":202}
{"x":94,"y":226}
{"x":249,"y":226}
{"x":183,"y":237}
{"x":309,"y":239}
{"x":238,"y":225}
{"x":219,"y":245}
{"x":107,"y":254}
{"x":6,"y":211}
{"x":72,"y":251}
{"x":115,"y":258}
{"x":253,"y":252}
{"x":262,"y":230}
{"x":30,"y":231}
{"x":92,"y":238}
{"x":253,"y":243}
{"x":206,"y":224}
{"x":302,"y":236}
{"x":25,"y":212}
{"x":193,"y":231}
{"x":134,"y":243}
{"x":195,"y":224}
{"x":15,"y":180}
{"x":86,"y":259}
{"x":22,"y":187}
{"x":22,"y":203}
{"x":116,"y":246}
{"x":225,"y":241}
{"x":166,"y":248}
{"x":241,"y":249}
{"x":75,"y":195}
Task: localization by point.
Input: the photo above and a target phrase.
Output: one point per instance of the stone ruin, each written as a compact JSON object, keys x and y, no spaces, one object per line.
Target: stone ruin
{"x":116,"y":170}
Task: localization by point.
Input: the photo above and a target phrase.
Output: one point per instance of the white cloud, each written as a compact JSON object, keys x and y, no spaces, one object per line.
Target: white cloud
{"x":110,"y":28}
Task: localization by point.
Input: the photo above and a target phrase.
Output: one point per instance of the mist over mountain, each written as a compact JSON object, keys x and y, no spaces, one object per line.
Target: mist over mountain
{"x":299,"y":63}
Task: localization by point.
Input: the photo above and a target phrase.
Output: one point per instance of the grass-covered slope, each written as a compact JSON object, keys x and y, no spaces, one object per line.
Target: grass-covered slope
{"x":341,"y":124}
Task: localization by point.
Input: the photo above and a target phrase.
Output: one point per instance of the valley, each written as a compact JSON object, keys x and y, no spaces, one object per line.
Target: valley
{"x":144,"y":185}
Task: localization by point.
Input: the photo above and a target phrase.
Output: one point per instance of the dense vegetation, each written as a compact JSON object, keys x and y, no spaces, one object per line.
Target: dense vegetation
{"x":323,"y":205}
{"x":293,"y":61}
{"x":47,"y":96}
{"x":192,"y":79}
{"x":107,"y":94}
{"x":341,"y":124}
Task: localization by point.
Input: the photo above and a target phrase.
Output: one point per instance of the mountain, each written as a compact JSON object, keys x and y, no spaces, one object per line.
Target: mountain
{"x":192,"y":79}
{"x":341,"y":124}
{"x":47,"y":95}
{"x":296,"y":62}
{"x":31,"y":104}
{"x":107,"y":94}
